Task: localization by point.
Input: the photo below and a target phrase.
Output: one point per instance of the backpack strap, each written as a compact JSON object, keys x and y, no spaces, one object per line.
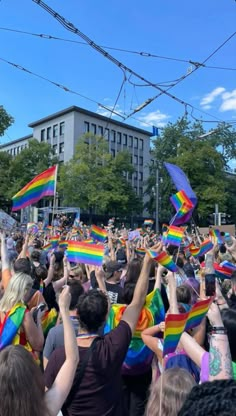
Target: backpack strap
{"x":79,"y":376}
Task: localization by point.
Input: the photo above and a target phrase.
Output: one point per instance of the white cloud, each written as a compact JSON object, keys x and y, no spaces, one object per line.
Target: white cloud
{"x":155,"y":118}
{"x":106,"y":113}
{"x":228,"y":101}
{"x":210,"y":97}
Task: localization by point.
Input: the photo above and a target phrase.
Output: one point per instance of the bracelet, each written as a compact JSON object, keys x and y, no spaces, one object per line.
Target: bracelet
{"x":216,"y":328}
{"x":219,"y":331}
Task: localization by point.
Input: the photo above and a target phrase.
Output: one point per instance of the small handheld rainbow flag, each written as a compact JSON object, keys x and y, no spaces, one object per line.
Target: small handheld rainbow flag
{"x":164,"y":259}
{"x":11,"y":324}
{"x":148,"y":222}
{"x":174,"y":236}
{"x":54,"y":240}
{"x":197,"y":313}
{"x":182,"y":203}
{"x":206,"y":246}
{"x":89,"y":241}
{"x":227,"y":265}
{"x":174,"y":327}
{"x":47,"y":247}
{"x":216,"y":235}
{"x":140,"y":251}
{"x":49,"y":320}
{"x":41,"y":286}
{"x":78,"y":252}
{"x":98,"y":234}
{"x":63,"y":244}
{"x":194,"y":251}
{"x":222,"y":272}
{"x":42,"y":185}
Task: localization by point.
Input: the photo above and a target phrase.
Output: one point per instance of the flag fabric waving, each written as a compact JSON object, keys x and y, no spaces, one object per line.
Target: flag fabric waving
{"x":42,"y":185}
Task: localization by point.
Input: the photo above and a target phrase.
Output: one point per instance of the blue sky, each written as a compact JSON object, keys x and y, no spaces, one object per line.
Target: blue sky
{"x":179,"y":29}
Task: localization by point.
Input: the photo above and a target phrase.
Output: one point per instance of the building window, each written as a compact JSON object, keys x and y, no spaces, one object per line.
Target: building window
{"x":135,"y":175}
{"x":141,"y":144}
{"x":49,"y":133}
{"x":61,"y":148}
{"x":125,"y":139}
{"x":135,"y":189}
{"x":130,"y":141}
{"x":107,"y":134}
{"x":93,"y":128}
{"x":42,"y":136}
{"x":141,"y":160}
{"x":54,"y":148}
{"x":14,"y":151}
{"x":140,"y":176}
{"x":131,"y":159}
{"x":55,"y":130}
{"x":18,"y":149}
{"x":119,"y":138}
{"x":136,"y":143}
{"x":62,"y":128}
{"x":141,"y":191}
{"x":86,"y":127}
{"x":113,"y":135}
{"x":113,"y":152}
{"x":135,"y":160}
{"x":100,"y":130}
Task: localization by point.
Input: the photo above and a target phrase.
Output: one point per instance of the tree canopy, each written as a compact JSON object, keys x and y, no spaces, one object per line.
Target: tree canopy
{"x":205,"y":160}
{"x":96,"y":181}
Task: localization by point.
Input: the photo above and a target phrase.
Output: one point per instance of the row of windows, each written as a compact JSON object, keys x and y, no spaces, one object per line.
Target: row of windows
{"x":16,"y":150}
{"x":55,"y":148}
{"x":52,"y":131}
{"x":114,"y":136}
{"x":140,"y":191}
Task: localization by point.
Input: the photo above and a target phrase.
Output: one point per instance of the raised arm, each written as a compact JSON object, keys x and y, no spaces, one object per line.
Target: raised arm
{"x":6,"y":274}
{"x":132,"y":311}
{"x":60,"y":389}
{"x":149,"y":337}
{"x":23,"y":253}
{"x":172,"y":293}
{"x":220,"y":358}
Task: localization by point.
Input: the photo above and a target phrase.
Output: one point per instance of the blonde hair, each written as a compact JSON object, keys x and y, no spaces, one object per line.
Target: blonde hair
{"x":16,"y":290}
{"x":169,"y":392}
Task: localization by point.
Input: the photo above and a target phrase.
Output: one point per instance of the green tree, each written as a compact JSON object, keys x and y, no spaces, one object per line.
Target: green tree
{"x":95,"y":181}
{"x":203,"y":158}
{"x":5,"y":120}
{"x":5,"y":180}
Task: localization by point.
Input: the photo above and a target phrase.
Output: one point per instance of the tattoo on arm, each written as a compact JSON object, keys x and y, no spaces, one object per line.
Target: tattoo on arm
{"x":215,"y":361}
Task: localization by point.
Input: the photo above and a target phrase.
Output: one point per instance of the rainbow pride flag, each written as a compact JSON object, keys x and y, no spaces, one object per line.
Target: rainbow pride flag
{"x":194,"y":251}
{"x":222,"y":272}
{"x":164,"y":259}
{"x":140,"y":251}
{"x":49,"y":320}
{"x":54,"y":240}
{"x":176,"y":324}
{"x":47,"y":247}
{"x":229,"y":266}
{"x":42,"y":185}
{"x":32,"y":228}
{"x":182,"y":204}
{"x":138,"y":356}
{"x":197,"y":313}
{"x":63,"y":244}
{"x":98,"y":234}
{"x":80,"y":252}
{"x":216,"y":235}
{"x":206,"y":246}
{"x":11,"y":324}
{"x":174,"y":236}
{"x":148,"y":222}
{"x":174,"y":327}
{"x":89,"y":241}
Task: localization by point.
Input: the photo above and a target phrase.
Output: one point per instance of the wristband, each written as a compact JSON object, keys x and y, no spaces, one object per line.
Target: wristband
{"x":219,"y":330}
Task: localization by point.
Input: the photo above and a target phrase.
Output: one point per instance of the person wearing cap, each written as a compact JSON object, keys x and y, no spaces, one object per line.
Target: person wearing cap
{"x":113,"y":271}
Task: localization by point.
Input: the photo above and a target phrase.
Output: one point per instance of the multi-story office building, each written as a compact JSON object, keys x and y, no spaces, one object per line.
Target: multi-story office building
{"x":63,"y":129}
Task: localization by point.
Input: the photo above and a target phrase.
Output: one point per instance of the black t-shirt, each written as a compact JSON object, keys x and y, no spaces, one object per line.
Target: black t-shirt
{"x":115,"y":292}
{"x":100,"y":391}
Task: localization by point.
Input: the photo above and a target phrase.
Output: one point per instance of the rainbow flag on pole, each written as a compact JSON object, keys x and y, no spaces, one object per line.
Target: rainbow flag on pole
{"x":206,"y":246}
{"x":216,"y":235}
{"x":174,"y":327}
{"x":148,"y":222}
{"x":42,"y":185}
{"x":78,"y":252}
{"x":164,"y":259}
{"x":174,"y":236}
{"x":98,"y":234}
{"x":197,"y":313}
{"x":54,"y":240}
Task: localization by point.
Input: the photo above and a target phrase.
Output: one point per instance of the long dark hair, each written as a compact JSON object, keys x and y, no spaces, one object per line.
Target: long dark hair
{"x":22,"y":387}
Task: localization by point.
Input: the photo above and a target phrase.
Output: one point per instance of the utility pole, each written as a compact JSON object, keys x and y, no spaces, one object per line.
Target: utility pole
{"x":157,"y":200}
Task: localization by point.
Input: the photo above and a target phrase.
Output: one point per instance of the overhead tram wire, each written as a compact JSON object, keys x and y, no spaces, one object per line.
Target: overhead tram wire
{"x":140,"y":53}
{"x":70,"y":27}
{"x":63,"y":87}
{"x":197,"y":66}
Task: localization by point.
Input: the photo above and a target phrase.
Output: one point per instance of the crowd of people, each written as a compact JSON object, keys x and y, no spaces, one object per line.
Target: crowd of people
{"x":82,"y":340}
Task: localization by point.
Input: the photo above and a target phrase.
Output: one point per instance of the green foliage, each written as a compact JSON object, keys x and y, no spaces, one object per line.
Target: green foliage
{"x":95,"y":181}
{"x":204,"y":160}
{"x":5,"y":120}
